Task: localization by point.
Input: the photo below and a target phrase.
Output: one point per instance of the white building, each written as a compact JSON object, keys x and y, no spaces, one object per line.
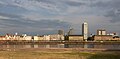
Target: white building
{"x":56,"y":37}
{"x":101,"y":32}
{"x":36,"y":38}
{"x":26,"y":37}
{"x":85,"y":31}
{"x":113,"y":34}
{"x":46,"y":37}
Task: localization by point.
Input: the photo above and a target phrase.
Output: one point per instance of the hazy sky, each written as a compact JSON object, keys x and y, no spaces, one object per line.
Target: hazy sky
{"x":47,"y":16}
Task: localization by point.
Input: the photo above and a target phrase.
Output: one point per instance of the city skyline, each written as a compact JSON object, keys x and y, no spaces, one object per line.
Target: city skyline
{"x":44,"y":16}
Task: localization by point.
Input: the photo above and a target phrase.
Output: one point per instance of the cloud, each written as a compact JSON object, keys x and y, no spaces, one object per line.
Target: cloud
{"x":114,"y":14}
{"x":106,"y":3}
{"x":45,"y":1}
{"x":20,"y":22}
{"x":74,"y":3}
{"x":13,"y":24}
{"x":107,"y":8}
{"x":9,"y":15}
{"x":34,"y":4}
{"x":38,"y":15}
{"x":2,"y":17}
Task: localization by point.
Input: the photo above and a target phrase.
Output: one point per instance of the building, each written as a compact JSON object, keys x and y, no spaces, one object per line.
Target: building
{"x":2,"y":38}
{"x":60,"y":32}
{"x":75,"y":37}
{"x":101,"y":32}
{"x":56,"y":37}
{"x":46,"y":37}
{"x":113,"y":34}
{"x":85,"y":31}
{"x":103,"y":37}
{"x":16,"y":37}
{"x":27,"y":38}
{"x":37,"y":38}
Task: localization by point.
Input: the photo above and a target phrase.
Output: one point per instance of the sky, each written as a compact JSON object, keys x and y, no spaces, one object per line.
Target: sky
{"x":47,"y":16}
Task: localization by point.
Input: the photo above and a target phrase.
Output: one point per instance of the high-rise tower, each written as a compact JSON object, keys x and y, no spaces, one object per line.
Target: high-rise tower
{"x":85,"y":30}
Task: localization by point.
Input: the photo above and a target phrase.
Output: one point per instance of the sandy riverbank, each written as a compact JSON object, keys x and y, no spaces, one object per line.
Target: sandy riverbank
{"x":58,"y":49}
{"x":55,"y":53}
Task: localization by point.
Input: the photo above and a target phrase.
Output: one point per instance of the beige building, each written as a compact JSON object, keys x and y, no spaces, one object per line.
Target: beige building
{"x":49,"y":37}
{"x":27,"y":38}
{"x":75,"y":37}
{"x":56,"y":37}
{"x":46,"y":37}
{"x":103,"y":37}
{"x":2,"y":38}
{"x":101,"y":32}
{"x":16,"y":37}
{"x":85,"y":30}
{"x":37,"y":38}
{"x":10,"y":37}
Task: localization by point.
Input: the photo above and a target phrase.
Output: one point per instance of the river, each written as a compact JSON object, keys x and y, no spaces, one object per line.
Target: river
{"x":98,"y":46}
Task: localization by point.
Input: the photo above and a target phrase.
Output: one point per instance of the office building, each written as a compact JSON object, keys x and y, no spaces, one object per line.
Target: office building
{"x":85,"y":31}
{"x":101,"y":32}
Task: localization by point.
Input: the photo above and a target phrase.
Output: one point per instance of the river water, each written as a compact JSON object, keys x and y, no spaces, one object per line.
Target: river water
{"x":98,"y":46}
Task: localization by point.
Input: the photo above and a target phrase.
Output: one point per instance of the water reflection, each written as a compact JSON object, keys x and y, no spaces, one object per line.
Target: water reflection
{"x":110,"y":46}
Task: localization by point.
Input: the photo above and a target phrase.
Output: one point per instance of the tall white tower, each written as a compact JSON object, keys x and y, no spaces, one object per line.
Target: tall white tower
{"x":85,"y":30}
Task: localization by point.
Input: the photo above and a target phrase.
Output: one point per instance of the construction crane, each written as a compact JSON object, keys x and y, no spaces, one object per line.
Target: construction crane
{"x":70,"y":32}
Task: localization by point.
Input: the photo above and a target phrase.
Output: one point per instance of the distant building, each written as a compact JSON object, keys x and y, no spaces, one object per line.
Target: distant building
{"x":103,"y":37}
{"x":37,"y":38}
{"x":27,"y":38}
{"x":85,"y":31}
{"x":46,"y":37}
{"x":113,"y":34}
{"x":56,"y":37}
{"x":101,"y":32}
{"x":2,"y":38}
{"x":49,"y":37}
{"x":60,"y":32}
{"x":75,"y":37}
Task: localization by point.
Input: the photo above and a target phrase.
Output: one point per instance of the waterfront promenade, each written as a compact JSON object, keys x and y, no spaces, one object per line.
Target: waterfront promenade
{"x":57,"y":42}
